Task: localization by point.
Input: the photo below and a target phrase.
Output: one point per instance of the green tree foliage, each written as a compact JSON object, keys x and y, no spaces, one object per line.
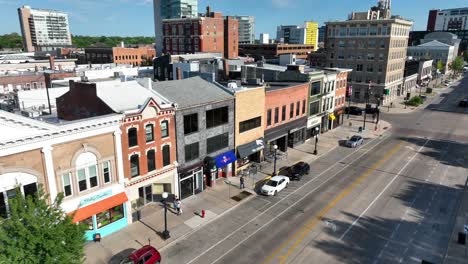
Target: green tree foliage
{"x":105,"y":41}
{"x":36,"y":232}
{"x":457,"y":65}
{"x":14,"y":41}
{"x":415,"y":101}
{"x":11,"y":41}
{"x":440,"y":66}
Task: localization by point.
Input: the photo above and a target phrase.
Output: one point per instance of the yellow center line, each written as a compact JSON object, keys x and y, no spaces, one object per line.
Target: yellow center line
{"x":302,"y":233}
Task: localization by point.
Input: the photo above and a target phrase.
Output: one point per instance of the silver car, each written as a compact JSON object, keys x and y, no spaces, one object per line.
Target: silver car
{"x":354,"y":141}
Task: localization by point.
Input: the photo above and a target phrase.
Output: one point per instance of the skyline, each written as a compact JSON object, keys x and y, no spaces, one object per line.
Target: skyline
{"x":135,"y":17}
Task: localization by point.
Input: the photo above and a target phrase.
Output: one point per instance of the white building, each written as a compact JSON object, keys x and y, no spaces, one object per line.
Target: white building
{"x":452,"y":19}
{"x":291,"y":34}
{"x":44,"y":29}
{"x":264,"y":38}
{"x":246,"y":29}
{"x":433,"y":50}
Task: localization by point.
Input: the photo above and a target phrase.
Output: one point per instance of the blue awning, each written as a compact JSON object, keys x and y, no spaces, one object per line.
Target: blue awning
{"x":225,"y":159}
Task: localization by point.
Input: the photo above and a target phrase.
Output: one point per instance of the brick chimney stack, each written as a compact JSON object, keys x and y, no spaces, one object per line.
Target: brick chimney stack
{"x":52,"y":62}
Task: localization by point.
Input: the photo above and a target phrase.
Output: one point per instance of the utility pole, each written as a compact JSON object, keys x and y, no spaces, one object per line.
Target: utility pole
{"x":367,"y":102}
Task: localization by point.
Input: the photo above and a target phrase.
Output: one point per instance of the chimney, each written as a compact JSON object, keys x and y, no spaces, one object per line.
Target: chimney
{"x":178,"y":73}
{"x":52,"y":62}
{"x":226,"y":69}
{"x":208,"y":11}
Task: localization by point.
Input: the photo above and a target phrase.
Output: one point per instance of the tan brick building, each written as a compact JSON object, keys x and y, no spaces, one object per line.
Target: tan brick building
{"x":374,"y":45}
{"x":249,"y":125}
{"x":82,"y":160}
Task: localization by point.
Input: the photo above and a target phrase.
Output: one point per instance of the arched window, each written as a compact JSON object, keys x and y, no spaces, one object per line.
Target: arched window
{"x":151,"y":160}
{"x":86,"y":171}
{"x":164,"y":129}
{"x":132,"y":137}
{"x":149,"y":133}
{"x":135,"y":165}
{"x":27,"y":185}
{"x":166,"y":152}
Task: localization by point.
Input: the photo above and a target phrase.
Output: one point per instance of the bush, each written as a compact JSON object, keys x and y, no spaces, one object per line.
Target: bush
{"x":415,"y":101}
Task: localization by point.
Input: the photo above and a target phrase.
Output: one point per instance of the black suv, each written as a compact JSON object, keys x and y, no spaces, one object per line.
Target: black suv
{"x":298,"y":170}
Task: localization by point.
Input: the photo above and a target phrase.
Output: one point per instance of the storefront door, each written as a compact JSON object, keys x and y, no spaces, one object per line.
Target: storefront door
{"x":145,"y":194}
{"x":187,"y":187}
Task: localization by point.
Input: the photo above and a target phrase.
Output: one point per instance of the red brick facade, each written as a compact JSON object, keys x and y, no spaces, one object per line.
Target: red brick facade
{"x":153,"y":115}
{"x":279,"y":98}
{"x":134,"y":56}
{"x":212,"y":33}
{"x":340,"y":92}
{"x":13,"y":83}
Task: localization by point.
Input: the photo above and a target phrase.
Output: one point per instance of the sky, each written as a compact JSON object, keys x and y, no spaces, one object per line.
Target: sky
{"x":135,"y":17}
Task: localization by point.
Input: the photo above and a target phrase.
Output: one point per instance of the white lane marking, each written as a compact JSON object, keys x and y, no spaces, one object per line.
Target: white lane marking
{"x":280,"y":214}
{"x":386,"y":187}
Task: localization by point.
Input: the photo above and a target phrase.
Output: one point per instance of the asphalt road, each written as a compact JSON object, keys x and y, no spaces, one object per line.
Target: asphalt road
{"x":393,"y":200}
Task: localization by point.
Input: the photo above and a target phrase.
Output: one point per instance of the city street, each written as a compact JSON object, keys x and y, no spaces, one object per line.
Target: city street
{"x":392,"y":200}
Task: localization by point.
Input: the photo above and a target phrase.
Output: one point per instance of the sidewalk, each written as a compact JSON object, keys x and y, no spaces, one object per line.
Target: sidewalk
{"x":215,"y":201}
{"x":218,"y":200}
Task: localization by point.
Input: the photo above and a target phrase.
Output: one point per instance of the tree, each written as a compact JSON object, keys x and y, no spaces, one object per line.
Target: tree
{"x":440,"y":66}
{"x":457,"y":65}
{"x":36,"y":232}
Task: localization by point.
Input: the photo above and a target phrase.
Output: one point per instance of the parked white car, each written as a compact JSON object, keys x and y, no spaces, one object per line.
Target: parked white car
{"x":275,"y":185}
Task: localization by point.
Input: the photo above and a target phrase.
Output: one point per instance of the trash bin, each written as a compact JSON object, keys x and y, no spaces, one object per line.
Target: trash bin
{"x":360,"y":129}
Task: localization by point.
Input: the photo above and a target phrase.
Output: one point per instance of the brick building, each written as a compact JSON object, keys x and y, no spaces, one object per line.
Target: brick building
{"x":148,"y":138}
{"x":24,"y":81}
{"x":120,"y":55}
{"x":80,"y":159}
{"x":341,"y":85}
{"x":209,"y":33}
{"x":273,"y":51}
{"x":286,"y":114}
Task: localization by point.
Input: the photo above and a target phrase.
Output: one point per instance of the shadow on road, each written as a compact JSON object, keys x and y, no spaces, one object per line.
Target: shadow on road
{"x":401,"y":235}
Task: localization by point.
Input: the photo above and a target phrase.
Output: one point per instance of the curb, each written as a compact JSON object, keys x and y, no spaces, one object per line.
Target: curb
{"x":263,"y":180}
{"x":207,"y":222}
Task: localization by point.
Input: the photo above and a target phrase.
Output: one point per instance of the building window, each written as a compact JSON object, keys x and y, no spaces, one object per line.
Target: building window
{"x":134,"y":165}
{"x":86,"y":165}
{"x":149,"y":133}
{"x":217,"y":143}
{"x":314,"y":88}
{"x":192,"y":151}
{"x":190,"y":123}
{"x":291,"y":110}
{"x":251,"y":124}
{"x":298,"y":108}
{"x":151,"y":160}
{"x":109,"y":216}
{"x":303,"y":106}
{"x":164,"y":129}
{"x":283,"y":113}
{"x":166,"y":155}
{"x":67,"y":188}
{"x":132,"y":137}
{"x":106,"y":171}
{"x":314,"y":108}
{"x":269,"y":117}
{"x":216,"y":117}
{"x":276,"y":114}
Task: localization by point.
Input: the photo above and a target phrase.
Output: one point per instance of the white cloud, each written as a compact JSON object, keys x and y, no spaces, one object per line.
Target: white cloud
{"x":282,"y":3}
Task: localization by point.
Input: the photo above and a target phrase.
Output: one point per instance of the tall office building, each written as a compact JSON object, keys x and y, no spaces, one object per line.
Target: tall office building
{"x":294,"y":34}
{"x":264,"y":38}
{"x":43,"y":29}
{"x":311,"y":34}
{"x":291,"y":34}
{"x":246,"y":29}
{"x":448,"y":19}
{"x":374,"y":45}
{"x":171,"y":9}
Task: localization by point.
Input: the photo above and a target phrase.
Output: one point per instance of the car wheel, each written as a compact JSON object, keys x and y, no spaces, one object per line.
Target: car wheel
{"x":274,"y":194}
{"x":308,"y":171}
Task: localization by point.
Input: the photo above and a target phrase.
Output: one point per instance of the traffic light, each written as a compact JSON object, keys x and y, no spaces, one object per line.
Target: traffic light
{"x":387,"y":91}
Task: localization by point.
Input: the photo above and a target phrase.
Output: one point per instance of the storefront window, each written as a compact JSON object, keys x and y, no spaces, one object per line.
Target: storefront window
{"x":116,"y":213}
{"x":103,"y":219}
{"x":88,"y":222}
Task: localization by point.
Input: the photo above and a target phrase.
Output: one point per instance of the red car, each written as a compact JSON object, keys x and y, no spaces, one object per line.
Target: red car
{"x":144,"y":255}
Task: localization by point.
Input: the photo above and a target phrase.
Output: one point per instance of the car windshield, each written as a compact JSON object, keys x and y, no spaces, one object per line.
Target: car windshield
{"x":296,"y":168}
{"x":127,"y":261}
{"x":354,"y":138}
{"x":272,"y":183}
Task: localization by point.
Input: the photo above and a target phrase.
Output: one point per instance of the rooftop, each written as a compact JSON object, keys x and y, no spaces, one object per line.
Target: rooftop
{"x":191,"y":91}
{"x":434,"y":43}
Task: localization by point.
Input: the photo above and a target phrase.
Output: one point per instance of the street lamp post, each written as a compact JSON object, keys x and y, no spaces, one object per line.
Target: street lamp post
{"x":350,"y":93}
{"x":316,"y":140}
{"x":367,"y":95}
{"x":165,"y":233}
{"x":275,"y":147}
